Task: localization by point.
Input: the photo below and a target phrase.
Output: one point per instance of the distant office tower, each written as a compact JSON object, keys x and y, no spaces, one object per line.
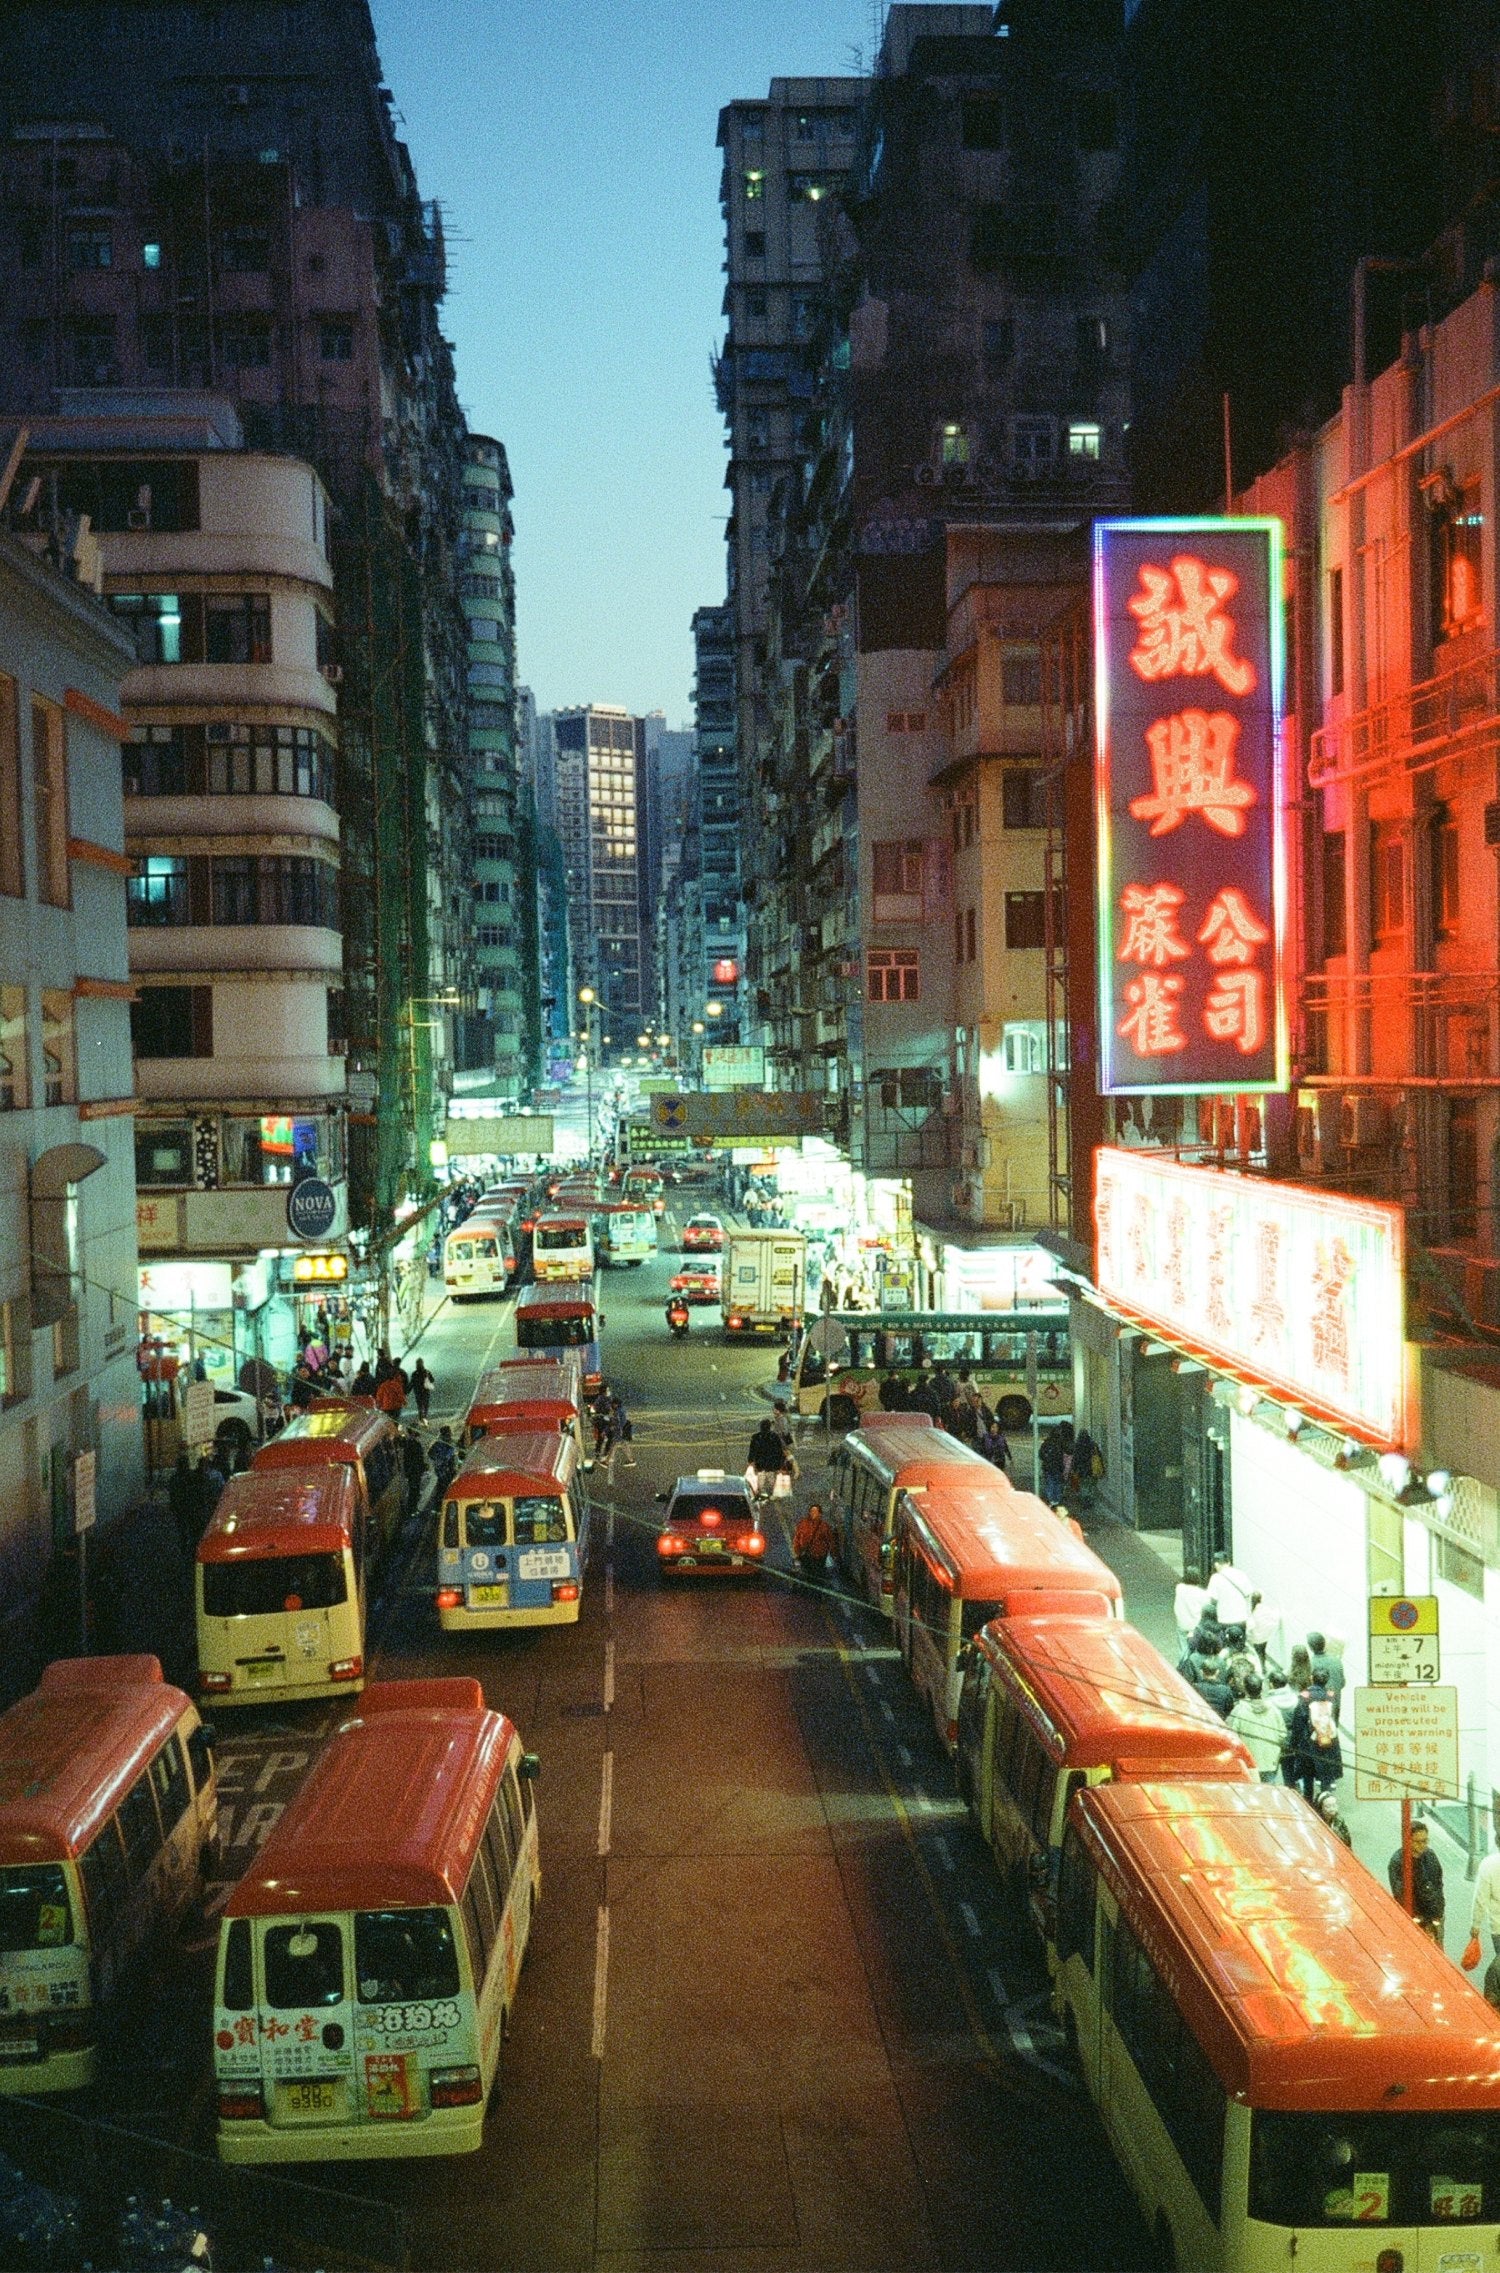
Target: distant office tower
{"x":600,"y":772}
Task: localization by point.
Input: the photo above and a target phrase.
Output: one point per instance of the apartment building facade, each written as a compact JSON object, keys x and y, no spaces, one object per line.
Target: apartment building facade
{"x":599,"y":766}
{"x":69,"y":1389}
{"x":503,"y":1041}
{"x":193,"y":215}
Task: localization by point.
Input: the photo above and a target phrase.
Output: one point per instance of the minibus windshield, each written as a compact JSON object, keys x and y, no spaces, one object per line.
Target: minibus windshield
{"x":403,"y":1954}
{"x":34,"y":1912}
{"x":261,"y":1588}
{"x":1374,"y":2169}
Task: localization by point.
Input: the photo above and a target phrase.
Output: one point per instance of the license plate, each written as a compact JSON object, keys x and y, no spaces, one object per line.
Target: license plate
{"x":710,"y":1546}
{"x":18,"y":2047}
{"x":310,"y":2099}
{"x":488,"y":1595}
{"x":266,"y":1671}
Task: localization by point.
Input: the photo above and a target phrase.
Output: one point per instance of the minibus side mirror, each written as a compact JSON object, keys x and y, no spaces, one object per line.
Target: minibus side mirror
{"x":531,"y":1766}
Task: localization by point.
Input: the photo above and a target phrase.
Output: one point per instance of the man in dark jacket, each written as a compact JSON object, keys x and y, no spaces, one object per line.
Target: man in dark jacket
{"x":1428,"y":1901}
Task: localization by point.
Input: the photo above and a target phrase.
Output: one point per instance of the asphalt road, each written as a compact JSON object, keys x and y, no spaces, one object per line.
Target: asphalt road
{"x":775,"y":2014}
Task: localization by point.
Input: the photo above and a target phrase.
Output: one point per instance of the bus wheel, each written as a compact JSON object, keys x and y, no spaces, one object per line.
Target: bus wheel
{"x":1165,"y":2252}
{"x":843,"y":1413}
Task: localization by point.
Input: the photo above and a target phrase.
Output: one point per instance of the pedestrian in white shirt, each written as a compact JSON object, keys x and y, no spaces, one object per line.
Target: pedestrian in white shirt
{"x":1229,"y":1590}
{"x":1263,"y":1629}
{"x":1187,"y":1608}
{"x":1486,"y":1913}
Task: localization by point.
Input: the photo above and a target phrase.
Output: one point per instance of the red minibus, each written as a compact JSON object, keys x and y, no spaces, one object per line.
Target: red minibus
{"x":522,"y":1396}
{"x":559,"y":1322}
{"x":887,"y":1454}
{"x":348,"y":1435}
{"x":280,"y":1587}
{"x":971,"y":1548}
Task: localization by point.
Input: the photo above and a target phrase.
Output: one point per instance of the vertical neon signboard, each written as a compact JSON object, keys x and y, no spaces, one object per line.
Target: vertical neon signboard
{"x":1192,"y":885}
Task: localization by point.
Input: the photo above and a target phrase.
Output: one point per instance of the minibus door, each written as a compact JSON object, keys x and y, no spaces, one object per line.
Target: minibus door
{"x":306,"y":2023}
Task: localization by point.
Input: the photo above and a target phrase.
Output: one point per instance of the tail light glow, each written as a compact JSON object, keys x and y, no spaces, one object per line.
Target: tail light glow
{"x":450,"y":1597}
{"x":752,"y":1544}
{"x":214,"y":1683}
{"x":347,"y":1669}
{"x":241,"y":2103}
{"x":565,"y":1590}
{"x":456,"y":2087}
{"x":669,"y":1544}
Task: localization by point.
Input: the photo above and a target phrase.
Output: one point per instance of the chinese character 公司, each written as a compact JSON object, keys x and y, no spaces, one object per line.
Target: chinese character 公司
{"x":1151,"y":934}
{"x":1192,"y":769}
{"x":1231,"y":930}
{"x":1236,"y":1010}
{"x":1184,"y":632}
{"x":1150,"y":1025}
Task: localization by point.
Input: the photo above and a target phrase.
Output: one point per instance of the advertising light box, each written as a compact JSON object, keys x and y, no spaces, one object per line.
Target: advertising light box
{"x":1302,"y":1291}
{"x":1191,"y":863}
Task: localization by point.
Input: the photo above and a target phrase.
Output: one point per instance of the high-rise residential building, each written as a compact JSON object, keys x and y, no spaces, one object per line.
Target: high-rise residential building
{"x":215,"y":559}
{"x":784,"y":157}
{"x":489,"y":600}
{"x":196,"y":214}
{"x":719,"y":819}
{"x":69,"y":1389}
{"x":600,"y":772}
{"x":547,"y":870}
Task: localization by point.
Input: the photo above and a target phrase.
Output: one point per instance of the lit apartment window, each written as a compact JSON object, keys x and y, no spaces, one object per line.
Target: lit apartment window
{"x":154,"y":620}
{"x":1459,"y":540}
{"x":49,"y":771}
{"x":15,"y":1084}
{"x":1444,"y":842}
{"x":157,"y":894}
{"x":151,"y":255}
{"x":164,"y":1153}
{"x":59,"y":1050}
{"x":806,"y":189}
{"x":755,"y":182}
{"x":12,"y":866}
{"x":954,"y":446}
{"x":1083,"y":439}
{"x":237,"y":629}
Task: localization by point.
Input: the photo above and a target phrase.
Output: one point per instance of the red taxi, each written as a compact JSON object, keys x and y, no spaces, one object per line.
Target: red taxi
{"x":697,"y":1282}
{"x":702,"y":1234}
{"x":711,"y":1525}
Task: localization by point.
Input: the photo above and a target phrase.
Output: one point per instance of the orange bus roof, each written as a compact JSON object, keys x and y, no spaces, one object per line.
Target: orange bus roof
{"x":507,"y":1464}
{"x":334,"y":1432}
{"x":1306,"y":1985}
{"x":983,"y":1540}
{"x":884,"y":1421}
{"x":71,"y":1750}
{"x":393,"y":1809}
{"x":522,"y":1382}
{"x":282,"y":1511}
{"x":1100,"y":1695}
{"x":572,"y":1218}
{"x":912,"y":1449}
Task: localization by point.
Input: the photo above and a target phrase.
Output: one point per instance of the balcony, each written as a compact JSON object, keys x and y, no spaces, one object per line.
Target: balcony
{"x":1454,"y":715}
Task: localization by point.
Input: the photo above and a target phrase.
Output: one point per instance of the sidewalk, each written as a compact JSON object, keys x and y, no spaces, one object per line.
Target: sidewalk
{"x":1150,"y":1583}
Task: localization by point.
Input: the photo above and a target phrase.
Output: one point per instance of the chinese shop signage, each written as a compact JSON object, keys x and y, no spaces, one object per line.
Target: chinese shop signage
{"x":1187,"y":660}
{"x":1300,"y":1291}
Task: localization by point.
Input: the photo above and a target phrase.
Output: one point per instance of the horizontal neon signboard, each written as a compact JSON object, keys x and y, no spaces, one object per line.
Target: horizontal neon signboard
{"x":1299,"y":1290}
{"x":1188,"y":669}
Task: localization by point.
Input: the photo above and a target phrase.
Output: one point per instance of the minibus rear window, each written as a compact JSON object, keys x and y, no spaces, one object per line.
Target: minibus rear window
{"x":553,"y":1333}
{"x":34,"y":1909}
{"x":484,"y":1523}
{"x":401,"y":1955}
{"x":1374,"y":2169}
{"x":540,"y":1519}
{"x":304,"y":1966}
{"x":563,"y":1235}
{"x":261,"y":1588}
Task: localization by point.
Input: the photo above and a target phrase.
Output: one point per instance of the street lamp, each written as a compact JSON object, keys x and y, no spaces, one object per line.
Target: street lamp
{"x":589,"y":999}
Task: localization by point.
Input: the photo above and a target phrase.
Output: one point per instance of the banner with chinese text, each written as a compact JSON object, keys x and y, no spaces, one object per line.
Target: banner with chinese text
{"x":1300,"y":1290}
{"x":1187,"y":662}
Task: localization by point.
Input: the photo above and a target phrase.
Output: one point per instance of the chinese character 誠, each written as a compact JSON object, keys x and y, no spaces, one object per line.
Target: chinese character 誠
{"x":1150,"y":1025}
{"x":1192,"y":770}
{"x":1231,"y":930}
{"x":1184,"y":632}
{"x":1151,"y":934}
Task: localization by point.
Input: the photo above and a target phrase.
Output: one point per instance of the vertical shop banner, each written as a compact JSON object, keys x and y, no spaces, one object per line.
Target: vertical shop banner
{"x":1188,"y":672}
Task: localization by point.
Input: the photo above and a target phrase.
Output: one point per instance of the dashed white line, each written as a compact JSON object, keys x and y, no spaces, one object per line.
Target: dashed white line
{"x":889,"y":1710}
{"x":944,"y":1854}
{"x":903,"y":1754}
{"x":609,"y":1527}
{"x":609,"y":1590}
{"x":871,"y":1673}
{"x":609,"y":1676}
{"x":601,"y":1980}
{"x":970,"y":1917}
{"x":606,"y":1802}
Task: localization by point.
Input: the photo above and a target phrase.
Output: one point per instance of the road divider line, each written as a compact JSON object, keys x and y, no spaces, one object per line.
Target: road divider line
{"x":606,"y":1802}
{"x":944,"y":1854}
{"x":609,"y":1590}
{"x":609,"y":1527}
{"x":903,"y":1754}
{"x":601,"y":1980}
{"x":970,"y":1917}
{"x":609,"y":1676}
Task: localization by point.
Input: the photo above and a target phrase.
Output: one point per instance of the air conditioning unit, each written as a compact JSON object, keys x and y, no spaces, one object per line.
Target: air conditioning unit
{"x":333,"y":673}
{"x":1363,"y":1121}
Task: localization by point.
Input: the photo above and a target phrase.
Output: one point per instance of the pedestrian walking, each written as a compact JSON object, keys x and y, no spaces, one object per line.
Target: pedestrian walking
{"x":1332,"y":1814}
{"x":893,"y":1394}
{"x":444,"y":1458}
{"x":1187,"y":1607}
{"x":422,"y":1384}
{"x":1229,"y":1590}
{"x":390,"y":1393}
{"x":1263,"y":1629}
{"x":414,"y":1465}
{"x":1428,"y":1899}
{"x":1317,"y":1759}
{"x":624,"y":1431}
{"x":767,"y":1464}
{"x":1057,"y":1445}
{"x":1085,"y":1468}
{"x":1259,"y":1725}
{"x":1486,"y":1913}
{"x":182,"y":1505}
{"x":1328,"y":1667}
{"x":602,"y":1412}
{"x":813,"y":1543}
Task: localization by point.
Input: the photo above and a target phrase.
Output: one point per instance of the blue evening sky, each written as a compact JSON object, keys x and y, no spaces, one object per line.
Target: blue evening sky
{"x":571,"y":145}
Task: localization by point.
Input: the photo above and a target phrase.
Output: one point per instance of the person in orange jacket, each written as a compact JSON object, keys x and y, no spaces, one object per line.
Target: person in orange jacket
{"x":813,"y":1543}
{"x":390,"y":1394}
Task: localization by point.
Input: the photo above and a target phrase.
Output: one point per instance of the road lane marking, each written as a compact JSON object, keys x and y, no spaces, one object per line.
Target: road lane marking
{"x":609,"y":1590}
{"x":889,"y":1711}
{"x":903,"y":1754}
{"x":944,"y":1854}
{"x":609,"y":1527}
{"x":870,"y":1672}
{"x":609,"y":1676}
{"x":970,"y":1917}
{"x":601,"y":1980}
{"x":606,"y":1802}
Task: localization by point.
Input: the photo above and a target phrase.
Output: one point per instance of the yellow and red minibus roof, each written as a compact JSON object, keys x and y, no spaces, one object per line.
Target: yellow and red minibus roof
{"x":553,"y":1301}
{"x":71,"y":1750}
{"x":1306,"y":1985}
{"x":1099,"y":1695}
{"x":333,"y":1431}
{"x":282,"y":1511}
{"x":526,"y":1393}
{"x":910,"y":1450}
{"x":393,"y":1809}
{"x":985,"y":1541}
{"x":505,"y":1466}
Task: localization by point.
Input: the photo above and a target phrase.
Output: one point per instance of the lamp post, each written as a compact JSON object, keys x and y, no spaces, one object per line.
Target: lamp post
{"x":589,"y":999}
{"x":698,"y":1038}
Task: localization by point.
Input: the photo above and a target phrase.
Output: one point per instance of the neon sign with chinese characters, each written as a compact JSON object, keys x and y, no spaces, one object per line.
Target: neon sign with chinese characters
{"x":1187,"y":660}
{"x":1301,"y":1291}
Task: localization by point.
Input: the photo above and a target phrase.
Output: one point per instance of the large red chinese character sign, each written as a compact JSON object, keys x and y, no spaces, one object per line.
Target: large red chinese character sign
{"x":1187,"y":633}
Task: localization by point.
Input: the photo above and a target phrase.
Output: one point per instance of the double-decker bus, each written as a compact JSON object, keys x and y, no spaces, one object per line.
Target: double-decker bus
{"x":554,"y":1321}
{"x":513,"y":1535}
{"x":357,"y":1436}
{"x":525,"y":1396}
{"x":971,"y":1548}
{"x":280,"y":1587}
{"x":1290,"y":2073}
{"x":562,"y":1244}
{"x":1051,"y":1702}
{"x":108,"y":1814}
{"x":369,"y":1960}
{"x":887,"y":1454}
{"x":997,"y":1346}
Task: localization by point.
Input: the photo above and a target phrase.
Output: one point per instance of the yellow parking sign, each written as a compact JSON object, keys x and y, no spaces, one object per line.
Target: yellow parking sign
{"x":1403,"y":1638}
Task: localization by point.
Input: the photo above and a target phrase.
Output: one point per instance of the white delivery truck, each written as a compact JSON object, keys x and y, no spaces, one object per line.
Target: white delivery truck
{"x":763,"y":1281}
